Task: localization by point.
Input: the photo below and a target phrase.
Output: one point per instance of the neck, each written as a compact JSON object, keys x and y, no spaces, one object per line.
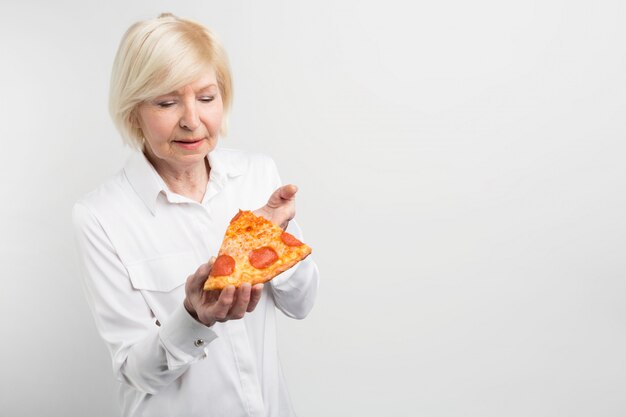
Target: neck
{"x":190,"y":181}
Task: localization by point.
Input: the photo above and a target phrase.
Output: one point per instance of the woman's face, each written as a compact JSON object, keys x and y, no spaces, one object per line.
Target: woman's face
{"x":182,"y":127}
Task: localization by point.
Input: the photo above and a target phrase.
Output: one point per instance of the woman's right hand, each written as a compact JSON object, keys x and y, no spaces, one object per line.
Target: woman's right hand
{"x":209,"y":307}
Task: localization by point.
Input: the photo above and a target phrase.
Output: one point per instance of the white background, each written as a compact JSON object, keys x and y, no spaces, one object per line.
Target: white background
{"x":462,"y":168}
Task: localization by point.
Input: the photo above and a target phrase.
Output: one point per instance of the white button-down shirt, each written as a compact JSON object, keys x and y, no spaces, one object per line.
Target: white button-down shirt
{"x":138,"y":243}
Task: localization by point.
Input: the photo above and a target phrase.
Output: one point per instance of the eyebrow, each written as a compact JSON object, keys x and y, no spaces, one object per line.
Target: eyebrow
{"x":206,"y":87}
{"x":202,"y":89}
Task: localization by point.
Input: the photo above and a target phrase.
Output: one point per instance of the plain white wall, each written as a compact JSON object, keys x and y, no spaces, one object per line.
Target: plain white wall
{"x":462,"y":172}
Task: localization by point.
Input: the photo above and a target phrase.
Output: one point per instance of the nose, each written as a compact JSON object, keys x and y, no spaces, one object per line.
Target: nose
{"x":190,"y":119}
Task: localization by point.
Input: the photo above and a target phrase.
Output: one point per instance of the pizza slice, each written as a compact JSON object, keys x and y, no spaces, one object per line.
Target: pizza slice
{"x":254,"y":250}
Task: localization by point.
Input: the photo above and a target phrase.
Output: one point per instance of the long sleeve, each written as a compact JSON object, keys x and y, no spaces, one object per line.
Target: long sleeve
{"x":295,"y":290}
{"x":144,"y":355}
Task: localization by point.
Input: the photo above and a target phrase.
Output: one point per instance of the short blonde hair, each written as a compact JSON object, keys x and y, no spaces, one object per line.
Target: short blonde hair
{"x":158,"y":56}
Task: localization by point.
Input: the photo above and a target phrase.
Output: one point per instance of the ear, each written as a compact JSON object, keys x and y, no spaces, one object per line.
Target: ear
{"x":134,"y":120}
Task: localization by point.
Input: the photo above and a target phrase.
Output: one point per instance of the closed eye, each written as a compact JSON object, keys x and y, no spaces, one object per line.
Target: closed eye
{"x":207,"y":99}
{"x":165,"y":104}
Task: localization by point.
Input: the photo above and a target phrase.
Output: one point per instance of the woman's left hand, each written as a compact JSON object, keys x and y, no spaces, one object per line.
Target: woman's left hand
{"x":281,"y":207}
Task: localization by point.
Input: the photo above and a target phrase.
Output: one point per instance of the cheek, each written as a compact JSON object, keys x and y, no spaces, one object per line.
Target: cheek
{"x":214,"y":121}
{"x":218,"y":123}
{"x":156,"y":128}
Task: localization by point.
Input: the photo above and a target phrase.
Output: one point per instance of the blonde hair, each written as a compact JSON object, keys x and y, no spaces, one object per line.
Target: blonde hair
{"x":156,"y":57}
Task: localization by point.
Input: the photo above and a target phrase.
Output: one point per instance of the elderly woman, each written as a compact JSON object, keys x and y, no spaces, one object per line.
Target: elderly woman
{"x":177,"y":350}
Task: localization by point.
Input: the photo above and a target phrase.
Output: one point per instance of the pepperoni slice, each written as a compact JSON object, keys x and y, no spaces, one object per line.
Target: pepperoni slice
{"x":263,"y":257}
{"x":224,"y":265}
{"x":290,"y":240}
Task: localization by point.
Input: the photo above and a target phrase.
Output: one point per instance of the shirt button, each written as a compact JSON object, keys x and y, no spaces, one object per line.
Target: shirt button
{"x":198,"y":343}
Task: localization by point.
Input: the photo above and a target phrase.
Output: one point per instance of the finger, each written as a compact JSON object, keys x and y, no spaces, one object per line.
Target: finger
{"x":238,"y":310}
{"x":282,"y":195}
{"x":255,"y":296}
{"x":224,"y":303}
{"x":288,"y":191}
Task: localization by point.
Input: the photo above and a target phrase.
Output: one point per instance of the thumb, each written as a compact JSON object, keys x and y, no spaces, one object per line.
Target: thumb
{"x":282,"y":195}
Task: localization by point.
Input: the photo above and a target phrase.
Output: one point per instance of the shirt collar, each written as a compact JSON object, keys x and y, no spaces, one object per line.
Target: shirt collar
{"x":148,"y":184}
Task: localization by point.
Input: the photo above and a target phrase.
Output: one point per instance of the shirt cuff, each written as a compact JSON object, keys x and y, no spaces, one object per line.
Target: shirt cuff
{"x":184,"y":338}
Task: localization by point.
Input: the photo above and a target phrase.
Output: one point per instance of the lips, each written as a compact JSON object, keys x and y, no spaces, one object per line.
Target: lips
{"x":188,"y":140}
{"x":189,"y":143}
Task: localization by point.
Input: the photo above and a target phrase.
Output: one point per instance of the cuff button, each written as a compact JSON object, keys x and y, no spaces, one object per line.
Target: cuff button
{"x":198,"y":343}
